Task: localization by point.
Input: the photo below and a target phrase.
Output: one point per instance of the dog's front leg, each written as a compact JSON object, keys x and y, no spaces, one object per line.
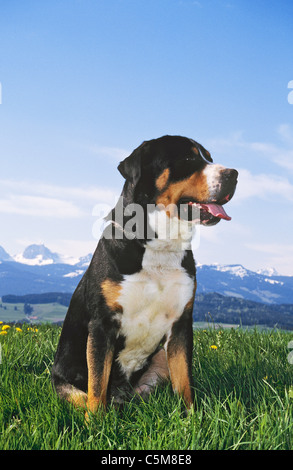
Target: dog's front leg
{"x":179,"y":356}
{"x":99,"y":361}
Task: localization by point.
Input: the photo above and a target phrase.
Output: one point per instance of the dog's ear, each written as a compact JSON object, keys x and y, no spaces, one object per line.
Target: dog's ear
{"x":131,"y":167}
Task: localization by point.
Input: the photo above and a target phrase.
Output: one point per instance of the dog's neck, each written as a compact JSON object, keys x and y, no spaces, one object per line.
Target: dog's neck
{"x":154,"y":228}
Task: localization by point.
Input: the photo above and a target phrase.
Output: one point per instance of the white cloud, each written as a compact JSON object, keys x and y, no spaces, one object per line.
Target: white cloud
{"x":272,"y":248}
{"x":253,"y":179}
{"x":71,"y":247}
{"x":281,"y":154}
{"x":38,"y":206}
{"x":264,"y":186}
{"x":44,"y":200}
{"x":286,"y":133}
{"x":279,"y":255}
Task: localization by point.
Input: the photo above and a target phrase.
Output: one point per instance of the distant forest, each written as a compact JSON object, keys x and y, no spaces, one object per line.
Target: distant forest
{"x":47,"y":298}
{"x":212,"y":308}
{"x":223,"y":309}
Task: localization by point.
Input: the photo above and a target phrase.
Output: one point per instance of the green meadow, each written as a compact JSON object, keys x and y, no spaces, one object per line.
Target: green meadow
{"x":243,"y":384}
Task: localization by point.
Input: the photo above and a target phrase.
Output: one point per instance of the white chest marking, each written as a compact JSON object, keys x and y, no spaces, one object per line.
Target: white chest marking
{"x":152,"y":300}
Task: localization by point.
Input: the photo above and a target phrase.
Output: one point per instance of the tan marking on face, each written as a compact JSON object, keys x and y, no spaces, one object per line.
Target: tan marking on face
{"x":161,"y":181}
{"x":208,"y":153}
{"x":194,"y":149}
{"x":195,"y":187}
{"x":111,"y":291}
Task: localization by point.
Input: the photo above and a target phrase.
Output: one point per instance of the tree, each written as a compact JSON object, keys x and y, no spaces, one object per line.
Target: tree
{"x":28,"y":309}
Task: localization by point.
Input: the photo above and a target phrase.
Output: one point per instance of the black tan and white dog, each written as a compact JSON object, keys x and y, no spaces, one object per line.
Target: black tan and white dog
{"x":129,"y":323}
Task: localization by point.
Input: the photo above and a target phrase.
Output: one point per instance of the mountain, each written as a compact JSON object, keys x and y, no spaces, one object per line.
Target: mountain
{"x":39,"y":270}
{"x":4,"y":256}
{"x":37,"y":255}
{"x":237,"y":281}
{"x":40,"y":255}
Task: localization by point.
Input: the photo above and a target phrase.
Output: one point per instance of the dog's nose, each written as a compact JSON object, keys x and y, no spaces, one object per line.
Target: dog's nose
{"x":230,"y":175}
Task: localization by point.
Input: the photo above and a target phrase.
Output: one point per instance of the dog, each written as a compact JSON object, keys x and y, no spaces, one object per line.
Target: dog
{"x":129,"y":323}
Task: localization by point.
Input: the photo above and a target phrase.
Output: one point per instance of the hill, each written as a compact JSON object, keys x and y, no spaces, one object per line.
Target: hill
{"x":212,"y":308}
{"x":39,"y":270}
{"x":216,"y":308}
{"x":238,"y":281}
{"x":50,"y":297}
{"x":225,"y":293}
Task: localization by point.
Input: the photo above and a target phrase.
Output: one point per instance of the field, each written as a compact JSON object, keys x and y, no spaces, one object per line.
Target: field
{"x":244,"y":398}
{"x":51,"y":312}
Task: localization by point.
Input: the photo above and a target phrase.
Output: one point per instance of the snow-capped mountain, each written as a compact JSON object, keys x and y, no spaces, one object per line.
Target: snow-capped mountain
{"x":268,"y":271}
{"x":40,"y":255}
{"x":39,"y":270}
{"x":37,"y":255}
{"x":237,"y":281}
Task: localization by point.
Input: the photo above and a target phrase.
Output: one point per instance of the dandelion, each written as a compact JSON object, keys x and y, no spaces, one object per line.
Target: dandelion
{"x":1,"y":322}
{"x":5,"y":327}
{"x":3,"y":332}
{"x":213,"y":346}
{"x":18,"y":329}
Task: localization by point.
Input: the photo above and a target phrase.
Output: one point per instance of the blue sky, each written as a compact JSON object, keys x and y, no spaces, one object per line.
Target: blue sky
{"x":84,"y":82}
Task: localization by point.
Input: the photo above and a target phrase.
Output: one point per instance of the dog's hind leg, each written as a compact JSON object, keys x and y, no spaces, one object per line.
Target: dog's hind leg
{"x":73,"y":395}
{"x":156,"y":373}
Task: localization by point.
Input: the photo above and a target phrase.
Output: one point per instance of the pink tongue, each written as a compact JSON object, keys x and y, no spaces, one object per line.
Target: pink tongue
{"x":216,"y":210}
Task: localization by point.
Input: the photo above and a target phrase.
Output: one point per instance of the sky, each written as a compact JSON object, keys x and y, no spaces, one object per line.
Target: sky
{"x":84,"y":82}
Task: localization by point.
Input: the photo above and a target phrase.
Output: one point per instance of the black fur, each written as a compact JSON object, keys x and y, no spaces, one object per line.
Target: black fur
{"x":88,"y":314}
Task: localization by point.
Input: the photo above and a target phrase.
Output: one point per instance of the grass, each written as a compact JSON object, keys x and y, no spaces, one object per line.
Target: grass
{"x":244,"y":397}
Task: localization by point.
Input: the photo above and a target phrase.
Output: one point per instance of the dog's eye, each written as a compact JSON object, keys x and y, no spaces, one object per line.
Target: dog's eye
{"x":188,"y":159}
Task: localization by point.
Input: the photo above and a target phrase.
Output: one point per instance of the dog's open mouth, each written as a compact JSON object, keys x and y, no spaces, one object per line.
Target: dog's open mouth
{"x":204,"y":213}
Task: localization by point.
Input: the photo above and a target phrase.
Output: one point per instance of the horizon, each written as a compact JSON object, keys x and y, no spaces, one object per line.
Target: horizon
{"x":66,"y":259}
{"x":82,"y":84}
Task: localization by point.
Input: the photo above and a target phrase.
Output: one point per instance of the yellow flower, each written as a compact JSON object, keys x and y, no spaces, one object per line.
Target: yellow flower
{"x":5,"y":327}
{"x":3,"y":332}
{"x":213,"y":346}
{"x":1,"y":322}
{"x":18,"y":329}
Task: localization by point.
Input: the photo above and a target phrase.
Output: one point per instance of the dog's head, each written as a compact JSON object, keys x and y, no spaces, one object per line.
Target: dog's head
{"x":176,"y":171}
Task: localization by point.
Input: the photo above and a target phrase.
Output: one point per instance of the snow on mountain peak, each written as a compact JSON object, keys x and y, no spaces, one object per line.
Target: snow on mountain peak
{"x":268,"y":271}
{"x":37,"y":255}
{"x":40,"y":255}
{"x":234,"y":269}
